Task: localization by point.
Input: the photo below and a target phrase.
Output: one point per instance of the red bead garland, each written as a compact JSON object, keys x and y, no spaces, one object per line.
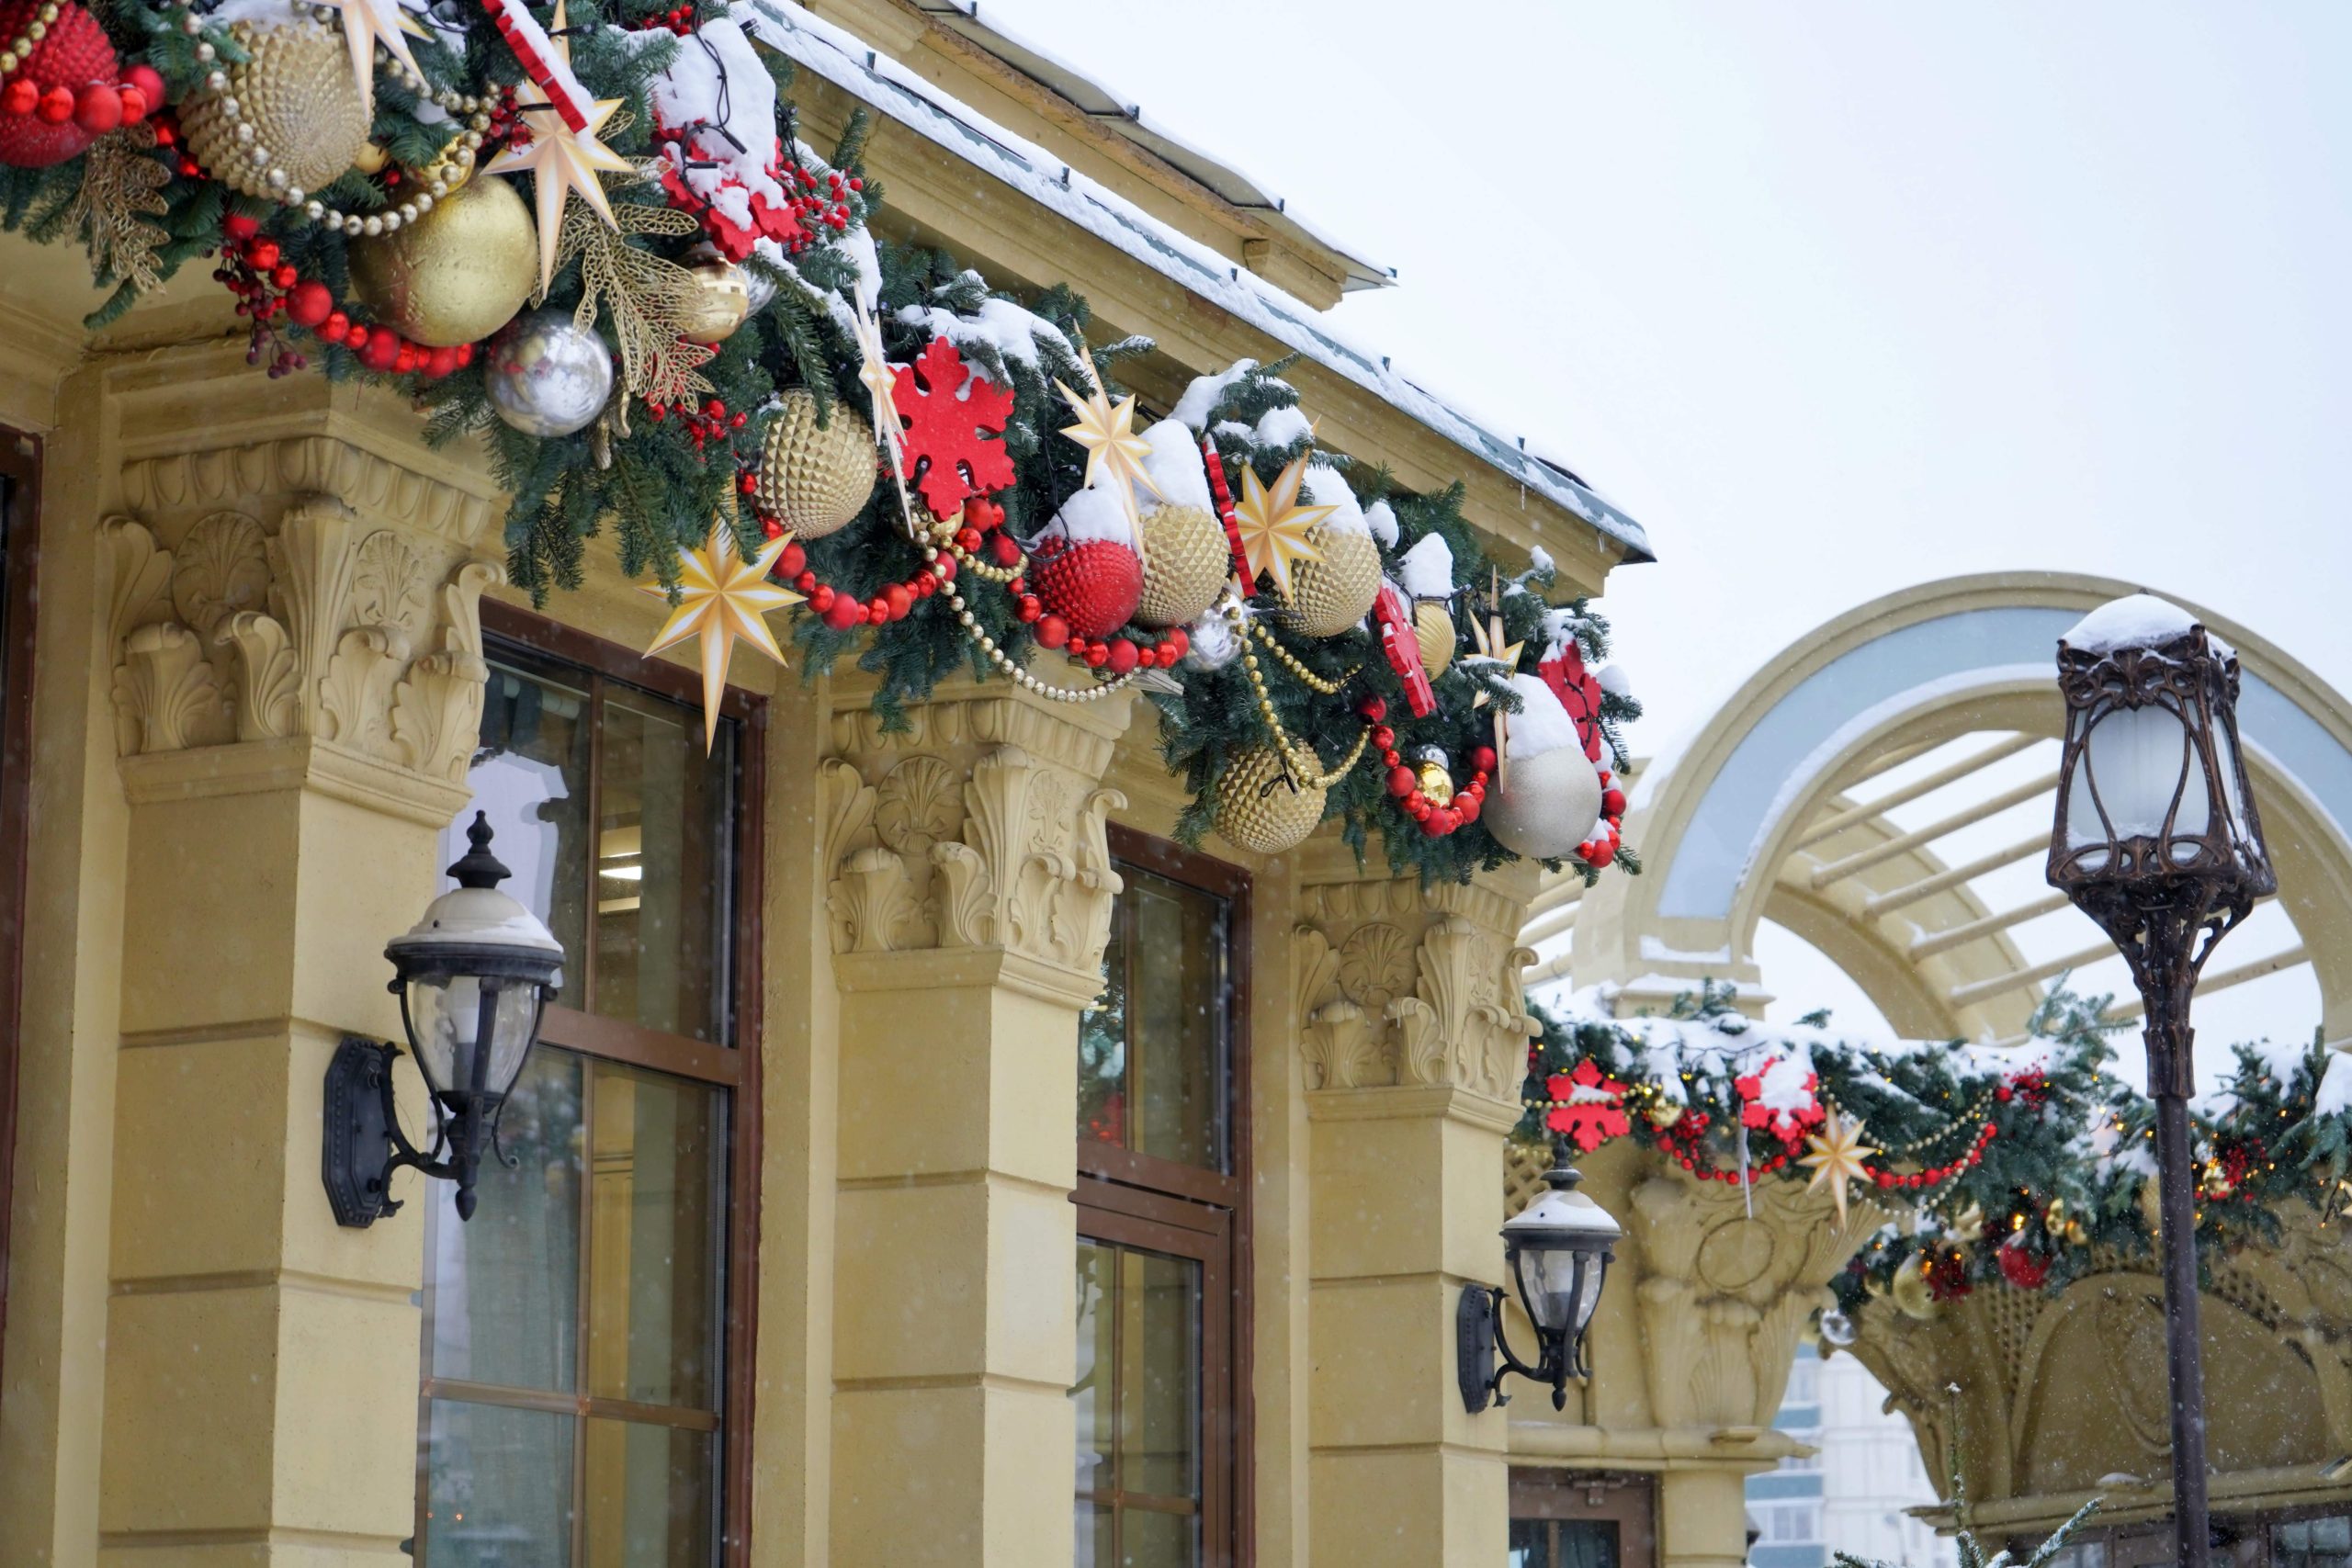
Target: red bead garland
{"x":270,"y":290}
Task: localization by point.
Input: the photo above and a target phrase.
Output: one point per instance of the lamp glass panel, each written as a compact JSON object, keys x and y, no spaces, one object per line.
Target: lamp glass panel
{"x":446,"y":1015}
{"x":1557,"y":1285}
{"x":2138,"y":758}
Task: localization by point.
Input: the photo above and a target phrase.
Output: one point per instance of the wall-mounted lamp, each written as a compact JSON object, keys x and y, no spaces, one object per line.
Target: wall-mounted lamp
{"x":473,"y":977}
{"x":1557,"y":1251}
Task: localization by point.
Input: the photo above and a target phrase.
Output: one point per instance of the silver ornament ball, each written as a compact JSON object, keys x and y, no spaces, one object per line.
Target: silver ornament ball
{"x":763,"y":290}
{"x":1837,"y":1328}
{"x":548,"y":375}
{"x":1215,"y":642}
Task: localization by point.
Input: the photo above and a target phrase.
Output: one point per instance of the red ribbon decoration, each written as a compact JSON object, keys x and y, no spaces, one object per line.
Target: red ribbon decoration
{"x":1393,"y":616}
{"x":535,"y":64}
{"x":1224,"y":498}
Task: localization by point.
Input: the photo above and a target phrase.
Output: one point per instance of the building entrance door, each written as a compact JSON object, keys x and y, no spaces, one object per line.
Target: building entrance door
{"x":1562,"y":1519}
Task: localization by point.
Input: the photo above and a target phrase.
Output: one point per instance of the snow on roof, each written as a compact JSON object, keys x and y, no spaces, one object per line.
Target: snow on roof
{"x":1100,"y":101}
{"x":849,"y":63}
{"x":2137,"y":620}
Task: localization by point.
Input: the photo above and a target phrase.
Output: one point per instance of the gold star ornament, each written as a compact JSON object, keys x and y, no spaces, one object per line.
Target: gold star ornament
{"x":366,"y":24}
{"x":1837,"y":1152}
{"x":1274,"y":526}
{"x":1488,"y":634}
{"x":561,"y":161}
{"x":722,"y":599}
{"x":1107,"y":431}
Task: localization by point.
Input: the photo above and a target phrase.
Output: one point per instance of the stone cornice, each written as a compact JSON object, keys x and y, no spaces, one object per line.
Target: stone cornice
{"x":1408,"y":1103}
{"x":298,"y":762}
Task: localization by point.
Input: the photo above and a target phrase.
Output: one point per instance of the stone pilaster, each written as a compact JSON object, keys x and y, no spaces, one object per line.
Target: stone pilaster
{"x":297,"y":684}
{"x":970,"y":901}
{"x":1414,"y":1033}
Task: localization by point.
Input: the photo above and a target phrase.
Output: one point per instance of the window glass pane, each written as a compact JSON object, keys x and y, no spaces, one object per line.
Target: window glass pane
{"x":530,"y":776}
{"x":1149,"y":1540}
{"x":1159,"y":1370}
{"x":1152,"y":1053}
{"x":1530,"y":1544}
{"x":661,"y":855}
{"x":503,"y":1289}
{"x":1587,"y":1543}
{"x":656,"y":1232}
{"x":1097,"y":1356}
{"x":1097,"y":1547}
{"x":649,"y":1496}
{"x":498,"y":1488}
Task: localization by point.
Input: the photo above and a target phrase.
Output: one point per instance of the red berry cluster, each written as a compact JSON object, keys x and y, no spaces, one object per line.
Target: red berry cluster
{"x":96,"y":107}
{"x":2032,"y":1087}
{"x":678,"y":19}
{"x":269,"y":291}
{"x":709,"y":422}
{"x":1945,"y":1268}
{"x":831,"y":208}
{"x":841,"y":611}
{"x":1681,"y":1142}
{"x":1937,"y":1175}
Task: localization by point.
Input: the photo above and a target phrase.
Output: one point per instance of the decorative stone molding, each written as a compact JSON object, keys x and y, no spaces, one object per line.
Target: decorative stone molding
{"x":2058,"y":1390}
{"x":319,"y":623}
{"x":1402,"y":985}
{"x":1723,"y":1289}
{"x":981,"y":825}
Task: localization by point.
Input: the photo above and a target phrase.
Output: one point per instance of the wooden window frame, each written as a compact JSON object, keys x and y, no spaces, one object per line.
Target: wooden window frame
{"x":1168,"y":1207}
{"x":19,"y":561}
{"x":734,"y":1067}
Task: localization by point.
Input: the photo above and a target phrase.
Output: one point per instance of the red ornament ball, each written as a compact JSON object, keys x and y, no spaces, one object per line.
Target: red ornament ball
{"x":1482,"y":760}
{"x":1612,"y":803}
{"x":74,"y":56}
{"x":1094,"y":585}
{"x":1123,"y":657}
{"x":2021,"y":1268}
{"x":309,"y":304}
{"x":1053,"y":631}
{"x":1401,"y":782}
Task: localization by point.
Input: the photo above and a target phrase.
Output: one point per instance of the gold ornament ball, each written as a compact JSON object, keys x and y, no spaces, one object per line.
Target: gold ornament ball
{"x":1663,"y":1114}
{"x":1434,"y":781}
{"x":1334,"y":592}
{"x":457,"y":274}
{"x":1910,"y":1291}
{"x":297,"y":94}
{"x":1263,"y":808}
{"x":1433,"y":624}
{"x":814,"y":479}
{"x":722,"y":298}
{"x":1186,"y":563}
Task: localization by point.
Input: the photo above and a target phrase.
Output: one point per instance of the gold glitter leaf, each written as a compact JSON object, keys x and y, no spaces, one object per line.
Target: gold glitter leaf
{"x":647,"y":300}
{"x":121,"y":185}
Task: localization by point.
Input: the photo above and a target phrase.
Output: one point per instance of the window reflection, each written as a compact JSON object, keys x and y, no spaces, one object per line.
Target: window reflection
{"x":1138,"y":1400}
{"x":1153,"y":1055}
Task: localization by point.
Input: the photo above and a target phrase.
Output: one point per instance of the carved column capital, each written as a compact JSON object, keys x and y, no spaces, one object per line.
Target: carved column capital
{"x":1725,"y":1283}
{"x":1402,"y":984}
{"x":298,"y":588}
{"x":977,"y":824}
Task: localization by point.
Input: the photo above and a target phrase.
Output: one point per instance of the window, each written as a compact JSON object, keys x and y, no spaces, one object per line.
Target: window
{"x":586,"y":1334}
{"x":2313,"y":1543}
{"x":19,"y":501}
{"x":1563,"y":1543}
{"x":1162,"y":1278}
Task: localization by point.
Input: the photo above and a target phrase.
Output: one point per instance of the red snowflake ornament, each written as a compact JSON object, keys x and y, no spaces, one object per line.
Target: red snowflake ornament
{"x":951,"y":412}
{"x":1579,"y":692}
{"x":1588,"y":1105}
{"x":1788,"y":1123}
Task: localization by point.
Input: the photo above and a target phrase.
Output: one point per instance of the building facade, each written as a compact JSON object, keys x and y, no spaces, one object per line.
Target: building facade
{"x":927,"y":1160}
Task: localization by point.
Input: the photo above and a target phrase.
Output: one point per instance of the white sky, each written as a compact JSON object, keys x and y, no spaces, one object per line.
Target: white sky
{"x":1836,"y":297}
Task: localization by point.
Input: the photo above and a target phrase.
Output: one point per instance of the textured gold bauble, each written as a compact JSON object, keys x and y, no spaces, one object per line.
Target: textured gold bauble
{"x":1187,"y":562}
{"x":722,"y":299}
{"x":1434,"y":781}
{"x":1910,"y":1293}
{"x":1663,"y":1114}
{"x":457,"y":274}
{"x":298,"y":93}
{"x":813,"y":479}
{"x":1263,"y":808}
{"x":1433,"y":626}
{"x":1334,"y":592}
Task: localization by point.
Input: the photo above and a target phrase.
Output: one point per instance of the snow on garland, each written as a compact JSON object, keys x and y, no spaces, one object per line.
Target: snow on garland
{"x":2015,"y":1164}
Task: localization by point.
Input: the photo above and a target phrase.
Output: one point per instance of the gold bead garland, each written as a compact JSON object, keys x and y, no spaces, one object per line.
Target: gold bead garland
{"x":21,"y":48}
{"x":1292,"y":751}
{"x":1307,"y":678}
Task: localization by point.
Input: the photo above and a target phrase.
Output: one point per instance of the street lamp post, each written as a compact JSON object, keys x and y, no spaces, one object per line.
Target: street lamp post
{"x":2157,"y":838}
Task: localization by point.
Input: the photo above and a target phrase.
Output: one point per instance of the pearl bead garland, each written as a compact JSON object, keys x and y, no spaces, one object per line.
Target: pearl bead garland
{"x":458,"y":157}
{"x":18,"y":52}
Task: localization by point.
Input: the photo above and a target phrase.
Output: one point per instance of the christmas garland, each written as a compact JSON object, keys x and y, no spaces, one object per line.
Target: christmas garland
{"x":2014,"y":1166}
{"x":588,"y":237}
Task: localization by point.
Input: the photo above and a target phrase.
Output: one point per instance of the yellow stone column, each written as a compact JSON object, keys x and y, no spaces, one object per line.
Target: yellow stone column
{"x":297,"y":690}
{"x":1414,"y":1032}
{"x":970,"y":902}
